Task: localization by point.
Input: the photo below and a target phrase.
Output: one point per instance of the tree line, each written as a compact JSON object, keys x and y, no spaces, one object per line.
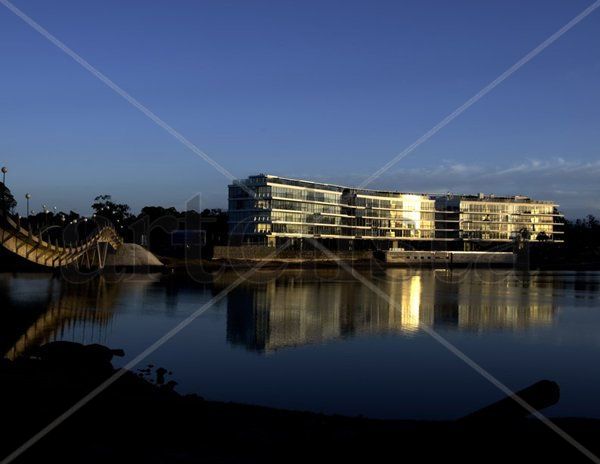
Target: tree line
{"x":168,"y":231}
{"x":165,"y":231}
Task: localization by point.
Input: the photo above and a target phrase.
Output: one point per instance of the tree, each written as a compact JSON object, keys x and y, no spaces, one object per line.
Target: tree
{"x":157,"y":212}
{"x":153,"y":228}
{"x":592,"y":222}
{"x":525,"y":233}
{"x":117,"y":213}
{"x":7,"y":200}
{"x":542,"y":237}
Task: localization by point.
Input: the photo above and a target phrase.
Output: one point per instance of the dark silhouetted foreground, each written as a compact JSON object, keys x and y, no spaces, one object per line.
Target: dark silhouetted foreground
{"x":137,"y":420}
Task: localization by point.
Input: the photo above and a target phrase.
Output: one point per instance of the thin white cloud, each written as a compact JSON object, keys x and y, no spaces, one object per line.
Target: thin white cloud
{"x":575,"y":185}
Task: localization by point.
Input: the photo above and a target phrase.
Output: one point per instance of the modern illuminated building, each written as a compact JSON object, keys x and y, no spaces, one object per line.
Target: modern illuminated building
{"x":272,"y":210}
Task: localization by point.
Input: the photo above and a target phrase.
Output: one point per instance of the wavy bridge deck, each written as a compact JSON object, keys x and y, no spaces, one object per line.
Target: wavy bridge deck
{"x":89,"y":253}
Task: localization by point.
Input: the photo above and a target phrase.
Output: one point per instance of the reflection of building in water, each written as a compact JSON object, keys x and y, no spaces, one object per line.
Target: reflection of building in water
{"x":286,"y":312}
{"x":289,"y":311}
{"x":501,"y":306}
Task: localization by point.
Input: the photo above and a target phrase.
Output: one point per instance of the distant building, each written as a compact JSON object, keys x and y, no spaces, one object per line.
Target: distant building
{"x":271,"y":210}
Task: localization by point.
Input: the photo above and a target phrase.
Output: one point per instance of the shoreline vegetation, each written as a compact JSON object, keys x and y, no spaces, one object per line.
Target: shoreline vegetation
{"x":141,"y":417}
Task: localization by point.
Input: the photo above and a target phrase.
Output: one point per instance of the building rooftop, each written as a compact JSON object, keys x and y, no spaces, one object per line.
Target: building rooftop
{"x":341,"y":189}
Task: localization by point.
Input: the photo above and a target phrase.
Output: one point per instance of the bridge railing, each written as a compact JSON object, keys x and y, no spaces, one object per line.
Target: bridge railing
{"x":34,"y":243}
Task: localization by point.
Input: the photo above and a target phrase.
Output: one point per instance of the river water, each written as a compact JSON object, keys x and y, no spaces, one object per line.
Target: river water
{"x":321,"y":341}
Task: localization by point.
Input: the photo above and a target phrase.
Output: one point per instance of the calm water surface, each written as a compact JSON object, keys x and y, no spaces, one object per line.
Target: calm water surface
{"x":322,"y":342}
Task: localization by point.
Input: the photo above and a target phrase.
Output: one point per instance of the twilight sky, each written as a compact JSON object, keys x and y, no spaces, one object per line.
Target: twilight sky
{"x":323,"y":90}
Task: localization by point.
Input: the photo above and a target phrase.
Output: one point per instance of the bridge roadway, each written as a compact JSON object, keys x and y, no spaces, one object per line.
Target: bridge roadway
{"x":90,"y":253}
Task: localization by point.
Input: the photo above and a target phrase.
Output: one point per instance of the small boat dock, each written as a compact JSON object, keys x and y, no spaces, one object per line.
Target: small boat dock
{"x":402,"y":257}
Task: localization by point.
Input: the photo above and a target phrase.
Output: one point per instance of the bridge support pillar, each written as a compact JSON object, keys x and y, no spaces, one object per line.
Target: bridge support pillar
{"x":102,"y":251}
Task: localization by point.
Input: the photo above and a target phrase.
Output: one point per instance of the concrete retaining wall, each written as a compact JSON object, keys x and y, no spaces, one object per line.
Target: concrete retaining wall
{"x":262,"y":253}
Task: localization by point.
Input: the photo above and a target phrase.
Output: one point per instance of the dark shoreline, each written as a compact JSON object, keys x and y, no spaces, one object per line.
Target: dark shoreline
{"x":143,"y":421}
{"x":177,"y":266}
{"x":208,"y":266}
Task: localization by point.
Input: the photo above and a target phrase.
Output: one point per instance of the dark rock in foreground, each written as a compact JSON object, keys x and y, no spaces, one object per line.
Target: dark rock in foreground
{"x":138,"y":421}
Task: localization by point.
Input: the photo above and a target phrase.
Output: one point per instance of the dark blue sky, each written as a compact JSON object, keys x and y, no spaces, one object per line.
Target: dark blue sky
{"x":327,"y":90}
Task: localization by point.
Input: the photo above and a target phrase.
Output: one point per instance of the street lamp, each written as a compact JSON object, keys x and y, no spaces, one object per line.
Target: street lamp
{"x":46,"y":211}
{"x":4,"y":171}
{"x":28,"y":197}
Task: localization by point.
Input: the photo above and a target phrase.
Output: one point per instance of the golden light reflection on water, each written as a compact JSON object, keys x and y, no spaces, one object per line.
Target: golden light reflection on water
{"x":297,"y":308}
{"x":290,"y":310}
{"x":411,"y":312}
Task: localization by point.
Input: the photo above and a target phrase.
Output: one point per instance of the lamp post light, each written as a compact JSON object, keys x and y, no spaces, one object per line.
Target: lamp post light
{"x":4,"y":171}
{"x":28,"y":197}
{"x":46,"y":211}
